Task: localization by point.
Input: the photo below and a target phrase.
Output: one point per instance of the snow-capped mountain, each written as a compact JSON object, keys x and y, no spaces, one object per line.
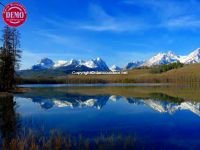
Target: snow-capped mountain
{"x":167,"y":58}
{"x":192,"y":58}
{"x":162,"y":58}
{"x":101,"y":64}
{"x":45,"y":63}
{"x":72,"y":65}
{"x":115,"y":68}
{"x":133,"y":65}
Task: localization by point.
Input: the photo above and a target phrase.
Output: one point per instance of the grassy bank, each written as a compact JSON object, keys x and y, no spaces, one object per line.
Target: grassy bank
{"x":189,"y":74}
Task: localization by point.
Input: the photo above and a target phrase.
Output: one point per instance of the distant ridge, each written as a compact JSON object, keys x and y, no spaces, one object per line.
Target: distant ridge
{"x":99,"y":65}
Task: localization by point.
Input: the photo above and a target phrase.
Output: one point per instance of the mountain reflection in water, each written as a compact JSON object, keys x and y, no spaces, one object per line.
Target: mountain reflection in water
{"x":168,"y":105}
{"x":156,"y":117}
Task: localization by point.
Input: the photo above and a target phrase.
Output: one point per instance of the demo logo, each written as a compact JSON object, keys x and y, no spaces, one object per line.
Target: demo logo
{"x":14,"y":14}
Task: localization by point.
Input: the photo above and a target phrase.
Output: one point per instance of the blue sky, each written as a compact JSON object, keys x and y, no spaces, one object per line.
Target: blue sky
{"x":118,"y":31}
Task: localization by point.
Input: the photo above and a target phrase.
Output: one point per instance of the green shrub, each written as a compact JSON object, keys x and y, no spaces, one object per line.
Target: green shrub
{"x":165,"y":68}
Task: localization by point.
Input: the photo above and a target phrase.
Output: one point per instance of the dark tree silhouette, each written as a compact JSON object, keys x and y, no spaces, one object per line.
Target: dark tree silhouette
{"x":9,"y":119}
{"x":10,"y":55}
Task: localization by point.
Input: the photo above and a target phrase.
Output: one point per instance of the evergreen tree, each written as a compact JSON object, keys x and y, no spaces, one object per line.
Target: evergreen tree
{"x":10,"y":55}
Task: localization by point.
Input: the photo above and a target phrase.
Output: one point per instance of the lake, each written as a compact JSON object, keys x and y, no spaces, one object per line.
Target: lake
{"x":161,"y":117}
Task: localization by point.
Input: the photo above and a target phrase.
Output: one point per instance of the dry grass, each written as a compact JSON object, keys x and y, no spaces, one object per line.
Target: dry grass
{"x":187,"y":74}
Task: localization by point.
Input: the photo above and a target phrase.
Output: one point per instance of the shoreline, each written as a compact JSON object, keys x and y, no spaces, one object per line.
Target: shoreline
{"x":91,"y":84}
{"x":14,"y":91}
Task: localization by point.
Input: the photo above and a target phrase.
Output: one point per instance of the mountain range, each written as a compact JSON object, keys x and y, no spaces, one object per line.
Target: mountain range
{"x":73,"y":65}
{"x":167,"y":58}
{"x":99,"y":65}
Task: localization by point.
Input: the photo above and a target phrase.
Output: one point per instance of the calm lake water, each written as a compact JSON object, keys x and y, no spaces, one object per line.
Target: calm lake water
{"x":152,"y":115}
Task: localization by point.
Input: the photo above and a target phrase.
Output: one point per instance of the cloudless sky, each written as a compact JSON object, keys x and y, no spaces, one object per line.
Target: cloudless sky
{"x":118,"y":31}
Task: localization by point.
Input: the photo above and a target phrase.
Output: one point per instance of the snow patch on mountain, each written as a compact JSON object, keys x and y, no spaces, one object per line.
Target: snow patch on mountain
{"x":61,"y":104}
{"x":89,"y":64}
{"x":161,"y":59}
{"x":115,"y":68}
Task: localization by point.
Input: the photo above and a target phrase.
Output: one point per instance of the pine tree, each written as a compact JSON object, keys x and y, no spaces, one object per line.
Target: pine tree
{"x":9,"y":58}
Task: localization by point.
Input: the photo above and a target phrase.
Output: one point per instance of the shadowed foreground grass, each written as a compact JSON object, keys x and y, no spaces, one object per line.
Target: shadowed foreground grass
{"x":57,"y":141}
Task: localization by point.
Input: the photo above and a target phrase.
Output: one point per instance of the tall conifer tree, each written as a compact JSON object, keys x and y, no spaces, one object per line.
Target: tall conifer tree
{"x":10,"y":55}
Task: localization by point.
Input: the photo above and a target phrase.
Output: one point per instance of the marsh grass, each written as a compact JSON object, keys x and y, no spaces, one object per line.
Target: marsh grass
{"x":58,"y":141}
